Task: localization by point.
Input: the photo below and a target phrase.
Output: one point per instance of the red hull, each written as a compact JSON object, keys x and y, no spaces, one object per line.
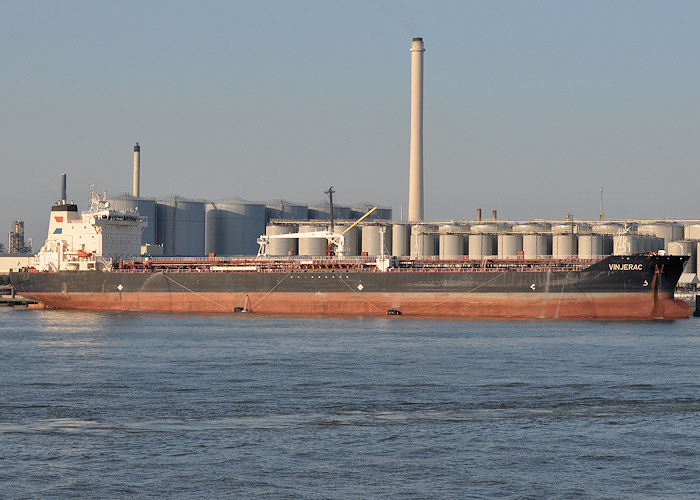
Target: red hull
{"x":457,"y":305}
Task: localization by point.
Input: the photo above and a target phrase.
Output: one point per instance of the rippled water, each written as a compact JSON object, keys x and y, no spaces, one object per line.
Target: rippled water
{"x":137,"y":405}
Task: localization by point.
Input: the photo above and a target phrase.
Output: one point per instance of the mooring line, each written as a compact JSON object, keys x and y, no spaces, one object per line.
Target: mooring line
{"x":460,"y":295}
{"x":198,"y":294}
{"x":358,"y":293}
{"x":268,"y":293}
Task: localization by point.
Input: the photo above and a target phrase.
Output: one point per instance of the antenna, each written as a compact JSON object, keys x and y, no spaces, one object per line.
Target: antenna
{"x":330,"y":196}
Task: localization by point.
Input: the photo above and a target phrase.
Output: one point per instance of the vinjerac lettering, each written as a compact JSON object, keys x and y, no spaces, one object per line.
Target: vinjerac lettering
{"x":625,"y":267}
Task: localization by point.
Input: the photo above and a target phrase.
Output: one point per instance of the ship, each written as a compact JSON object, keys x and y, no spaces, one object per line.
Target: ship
{"x":92,"y":262}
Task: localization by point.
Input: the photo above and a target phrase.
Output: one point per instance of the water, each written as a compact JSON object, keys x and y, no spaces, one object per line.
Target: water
{"x":137,"y":405}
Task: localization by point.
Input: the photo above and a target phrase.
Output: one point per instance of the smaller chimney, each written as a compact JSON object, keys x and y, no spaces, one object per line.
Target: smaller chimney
{"x":478,"y":215}
{"x":137,"y":170}
{"x":493,"y":216}
{"x":63,"y":189}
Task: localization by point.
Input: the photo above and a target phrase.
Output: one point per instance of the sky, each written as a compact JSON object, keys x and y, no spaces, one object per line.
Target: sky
{"x":529,"y":107}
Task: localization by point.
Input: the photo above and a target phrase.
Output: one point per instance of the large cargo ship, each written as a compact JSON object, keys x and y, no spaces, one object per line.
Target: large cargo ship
{"x":88,"y":262}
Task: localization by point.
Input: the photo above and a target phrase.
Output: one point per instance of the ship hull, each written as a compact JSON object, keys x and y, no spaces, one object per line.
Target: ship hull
{"x":631,"y":287}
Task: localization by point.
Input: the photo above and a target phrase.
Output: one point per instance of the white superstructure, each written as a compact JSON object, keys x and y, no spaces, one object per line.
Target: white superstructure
{"x":89,"y":240}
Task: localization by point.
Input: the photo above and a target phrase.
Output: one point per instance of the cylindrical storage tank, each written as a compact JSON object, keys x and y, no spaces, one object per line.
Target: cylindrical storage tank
{"x":285,"y":210}
{"x":423,"y":241}
{"x":646,"y":243}
{"x":685,"y":248}
{"x":485,"y":228}
{"x":692,"y":232}
{"x":697,"y":261}
{"x":590,"y":246}
{"x":564,"y":245}
{"x":510,"y":246}
{"x":607,"y":228}
{"x":233,"y":228}
{"x":372,"y":239}
{"x":531,"y":227}
{"x":536,"y":245}
{"x":351,"y":239}
{"x":625,"y":244}
{"x":482,"y":245}
{"x":451,"y":242}
{"x":312,"y":247}
{"x":400,"y":239}
{"x":180,"y":226}
{"x":281,"y":247}
{"x":320,"y":212}
{"x":669,"y":231}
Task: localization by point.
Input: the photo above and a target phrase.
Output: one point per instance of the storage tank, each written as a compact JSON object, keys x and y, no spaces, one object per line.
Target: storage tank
{"x":423,"y":241}
{"x":510,"y":246}
{"x":692,"y":232}
{"x":286,"y":210}
{"x":564,"y":245}
{"x":372,"y":239}
{"x":352,"y":237}
{"x":590,"y":246}
{"x":285,"y":246}
{"x":451,"y":241}
{"x":482,"y":245}
{"x":669,"y":231}
{"x":531,"y":227}
{"x":685,"y":247}
{"x":565,"y":228}
{"x":232,"y":228}
{"x":312,"y":247}
{"x":180,"y":226}
{"x":400,"y":239}
{"x":625,"y":244}
{"x":607,"y":228}
{"x":537,"y":245}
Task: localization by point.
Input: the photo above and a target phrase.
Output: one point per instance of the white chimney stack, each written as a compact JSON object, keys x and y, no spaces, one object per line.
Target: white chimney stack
{"x":415,"y":180}
{"x":137,"y":170}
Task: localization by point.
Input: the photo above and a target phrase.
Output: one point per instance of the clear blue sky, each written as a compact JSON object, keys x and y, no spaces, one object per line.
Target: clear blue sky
{"x":530,"y":106}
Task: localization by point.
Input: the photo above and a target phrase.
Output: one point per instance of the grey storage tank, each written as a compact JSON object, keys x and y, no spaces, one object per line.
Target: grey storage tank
{"x":452,"y":241}
{"x":180,"y":226}
{"x":146,"y":207}
{"x":285,"y":210}
{"x":400,"y":239}
{"x":312,"y":247}
{"x":232,"y":228}
{"x":423,"y":241}
{"x":372,"y":239}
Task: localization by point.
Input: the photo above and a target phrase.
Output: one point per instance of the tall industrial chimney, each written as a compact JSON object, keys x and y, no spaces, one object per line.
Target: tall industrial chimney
{"x":137,"y":170}
{"x":63,"y":189}
{"x":415,"y":180}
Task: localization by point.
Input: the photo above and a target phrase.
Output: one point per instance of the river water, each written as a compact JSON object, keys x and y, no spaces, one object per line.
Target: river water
{"x":140,"y":405}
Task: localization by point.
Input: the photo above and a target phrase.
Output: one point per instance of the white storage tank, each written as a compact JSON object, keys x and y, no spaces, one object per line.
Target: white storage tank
{"x":669,"y":231}
{"x":423,"y":241}
{"x":351,"y":239}
{"x":451,"y":241}
{"x":482,"y":245}
{"x":692,"y":232}
{"x":590,"y":246}
{"x":510,"y":246}
{"x":565,"y":228}
{"x":145,"y":207}
{"x":312,"y":247}
{"x":564,"y":245}
{"x":372,"y":239}
{"x":285,"y":246}
{"x":625,"y":244}
{"x":531,"y":227}
{"x":537,"y":245}
{"x":607,"y":228}
{"x":400,"y":239}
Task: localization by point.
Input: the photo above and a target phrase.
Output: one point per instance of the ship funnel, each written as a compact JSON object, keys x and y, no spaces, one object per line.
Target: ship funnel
{"x":137,"y":170}
{"x":478,"y":215}
{"x":63,"y":189}
{"x":494,"y":216}
{"x":415,"y":180}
